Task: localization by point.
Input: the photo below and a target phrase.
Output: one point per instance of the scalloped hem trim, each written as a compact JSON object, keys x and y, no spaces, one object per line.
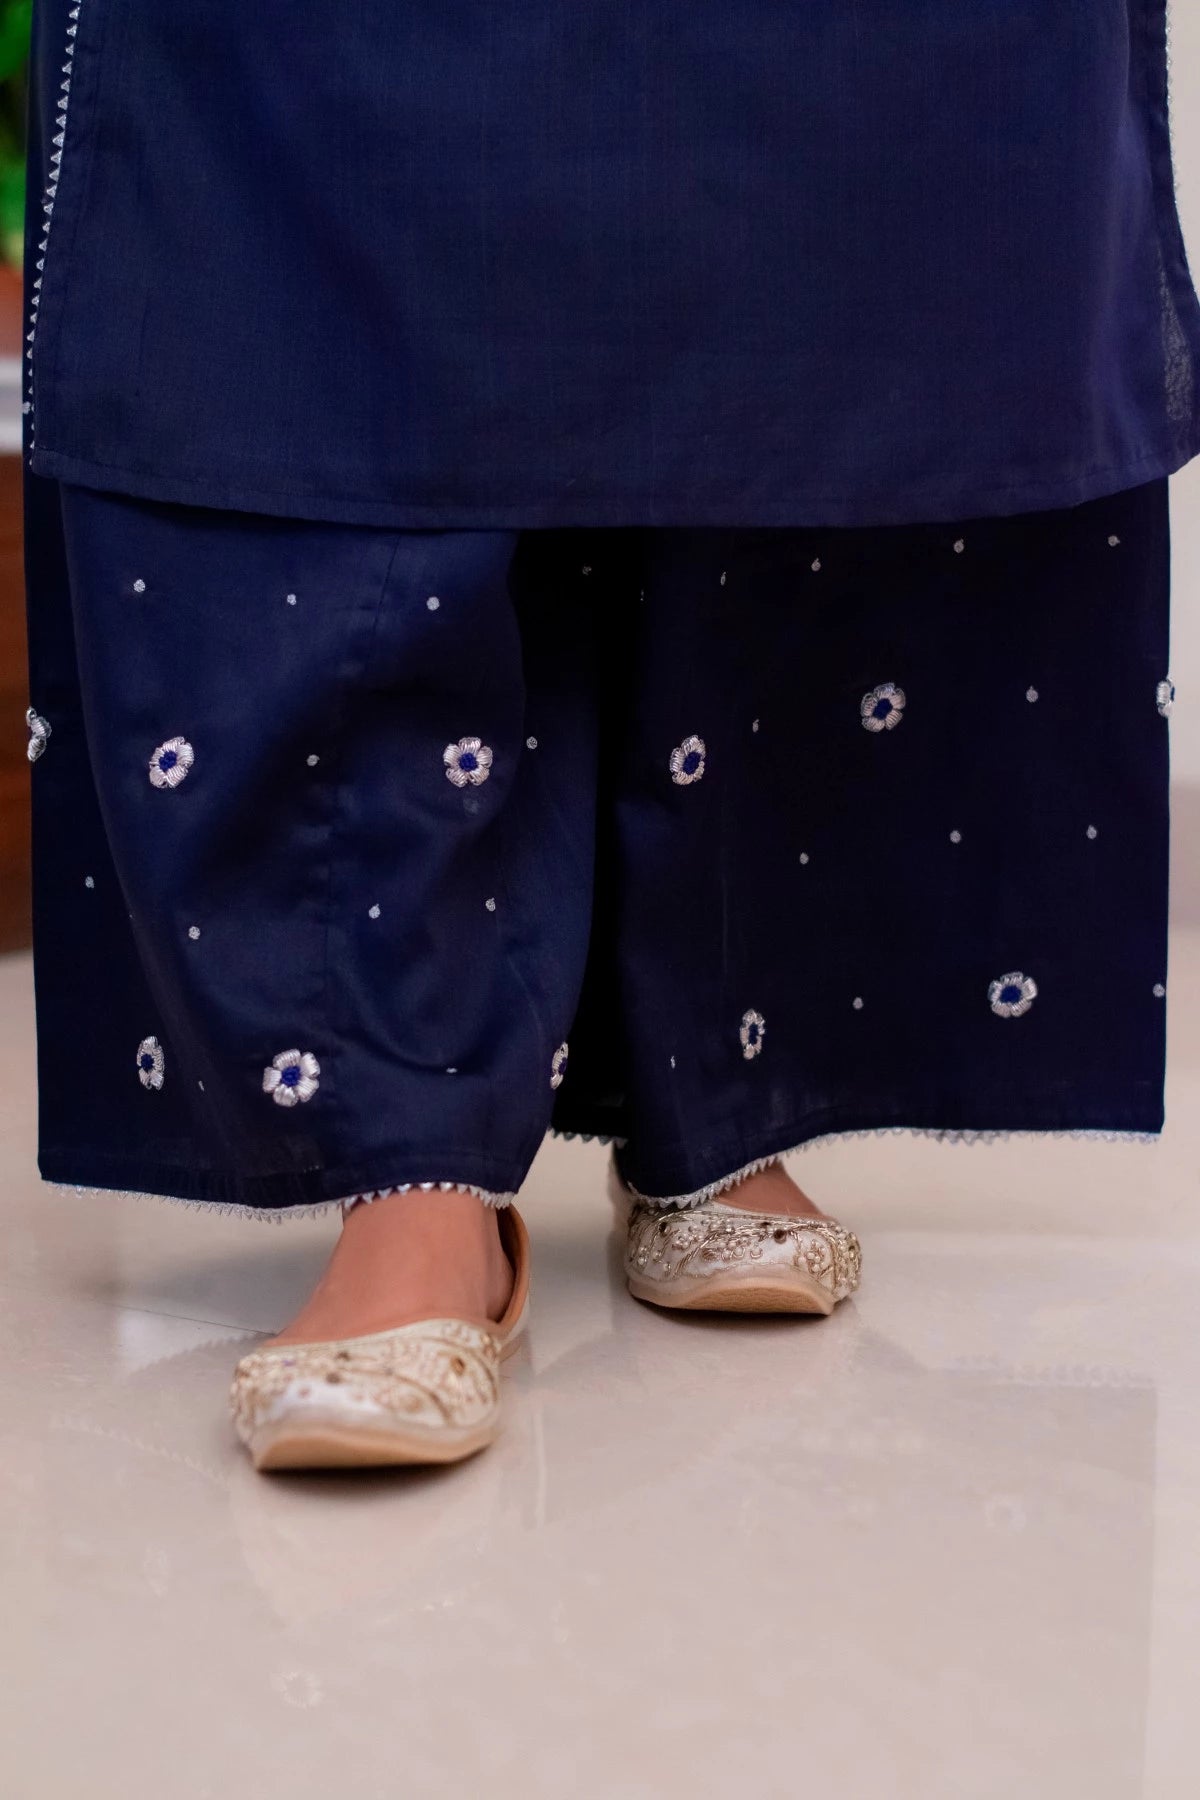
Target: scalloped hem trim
{"x":715,"y":1189}
{"x":276,"y":1215}
{"x":588,"y":1137}
{"x":487,"y":1195}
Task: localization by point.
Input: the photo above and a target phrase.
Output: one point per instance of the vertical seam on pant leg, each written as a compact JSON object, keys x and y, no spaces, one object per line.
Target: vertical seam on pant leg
{"x":335,"y":824}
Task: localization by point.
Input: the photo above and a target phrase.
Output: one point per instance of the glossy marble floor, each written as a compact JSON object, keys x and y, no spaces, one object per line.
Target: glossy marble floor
{"x":944,"y":1546}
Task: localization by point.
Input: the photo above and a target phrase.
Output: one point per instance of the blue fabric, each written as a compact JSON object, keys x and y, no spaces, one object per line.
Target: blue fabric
{"x":591,"y":264}
{"x":783,"y":832}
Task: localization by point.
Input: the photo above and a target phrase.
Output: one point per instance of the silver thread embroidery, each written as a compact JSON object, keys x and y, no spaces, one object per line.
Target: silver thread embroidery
{"x":151,"y":1063}
{"x":468,"y":761}
{"x":39,"y":730}
{"x":170,"y":763}
{"x":1012,"y":995}
{"x":688,"y":761}
{"x":291,"y":1077}
{"x":883,"y":708}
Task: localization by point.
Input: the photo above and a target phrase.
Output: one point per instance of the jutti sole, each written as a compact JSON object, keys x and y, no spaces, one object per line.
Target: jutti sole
{"x":785,"y":1292}
{"x":332,"y":1444}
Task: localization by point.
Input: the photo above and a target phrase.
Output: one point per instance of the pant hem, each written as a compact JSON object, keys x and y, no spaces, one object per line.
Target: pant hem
{"x":724,"y":1183}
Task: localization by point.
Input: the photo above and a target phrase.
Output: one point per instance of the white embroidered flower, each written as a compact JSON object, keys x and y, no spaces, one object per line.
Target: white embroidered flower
{"x":558,"y":1066}
{"x":151,"y":1064}
{"x":883,"y":708}
{"x":753,"y":1030}
{"x":170,"y":763}
{"x":469,"y":760}
{"x":687,"y":761}
{"x":1164,"y":699}
{"x":39,"y":731}
{"x":292,"y":1077}
{"x":1013,"y":995}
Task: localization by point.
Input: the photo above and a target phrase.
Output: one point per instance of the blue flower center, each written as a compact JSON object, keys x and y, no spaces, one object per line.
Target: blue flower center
{"x":147,"y":1062}
{"x":752,"y":1034}
{"x":882,"y":708}
{"x":291,"y":1075}
{"x":1010,"y":994}
{"x":468,"y":760}
{"x":691,"y":762}
{"x":167,"y":760}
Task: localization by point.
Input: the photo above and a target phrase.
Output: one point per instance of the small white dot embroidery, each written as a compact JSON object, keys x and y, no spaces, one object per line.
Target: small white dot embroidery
{"x":858,"y":1005}
{"x":531,"y":743}
{"x":1092,"y":832}
{"x":1031,"y":695}
{"x":89,"y":881}
{"x":291,"y":599}
{"x":672,"y":1062}
{"x":312,"y":761}
{"x":1113,"y":541}
{"x":193,"y":932}
{"x":959,"y":546}
{"x":452,"y":1071}
{"x":373,"y":911}
{"x":587,"y":569}
{"x":816,"y":568}
{"x":491,"y":905}
{"x":433,"y":603}
{"x":754,"y":727}
{"x":139,"y":586}
{"x":723,"y":574}
{"x":1159,"y":990}
{"x":200,"y":1085}
{"x":956,"y":837}
{"x":804,"y":858}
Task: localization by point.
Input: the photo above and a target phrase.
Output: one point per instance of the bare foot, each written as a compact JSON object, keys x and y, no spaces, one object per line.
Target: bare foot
{"x":412,"y":1256}
{"x":772,"y":1190}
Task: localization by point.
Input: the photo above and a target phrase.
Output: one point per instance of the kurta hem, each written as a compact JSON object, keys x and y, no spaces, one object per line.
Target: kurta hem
{"x":726,"y":506}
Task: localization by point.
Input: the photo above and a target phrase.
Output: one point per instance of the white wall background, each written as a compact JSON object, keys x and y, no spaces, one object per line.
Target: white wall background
{"x":1185,"y":494}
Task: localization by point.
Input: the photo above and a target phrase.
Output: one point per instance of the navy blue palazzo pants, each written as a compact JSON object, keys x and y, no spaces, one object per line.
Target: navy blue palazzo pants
{"x":364,"y":855}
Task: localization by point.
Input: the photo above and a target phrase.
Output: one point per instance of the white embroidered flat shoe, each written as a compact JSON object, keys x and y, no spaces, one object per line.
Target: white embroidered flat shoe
{"x":428,"y":1392}
{"x":720,"y":1258}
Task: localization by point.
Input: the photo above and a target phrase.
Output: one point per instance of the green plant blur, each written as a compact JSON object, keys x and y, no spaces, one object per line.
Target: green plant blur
{"x":15,"y":21}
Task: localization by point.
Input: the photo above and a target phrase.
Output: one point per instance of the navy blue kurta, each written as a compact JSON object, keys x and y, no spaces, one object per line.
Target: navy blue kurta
{"x":750,"y":263}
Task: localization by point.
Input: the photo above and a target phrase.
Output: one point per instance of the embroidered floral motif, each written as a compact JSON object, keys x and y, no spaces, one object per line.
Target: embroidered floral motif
{"x":151,"y":1063}
{"x":1164,"y":698}
{"x":883,"y":708}
{"x":292,"y":1077}
{"x":39,"y":731}
{"x":752,"y":1031}
{"x":439,"y":1373}
{"x":1013,"y":995}
{"x":468,"y":761}
{"x":688,"y":761}
{"x":717,"y":1239}
{"x":170,"y":763}
{"x":558,"y":1066}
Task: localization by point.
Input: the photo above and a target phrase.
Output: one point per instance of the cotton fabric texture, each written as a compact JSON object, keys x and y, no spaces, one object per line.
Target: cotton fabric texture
{"x":750,"y":264}
{"x":363,"y":855}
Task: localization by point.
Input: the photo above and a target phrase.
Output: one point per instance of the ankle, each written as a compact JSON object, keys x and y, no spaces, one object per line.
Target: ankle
{"x":772,"y":1190}
{"x":409,"y":1255}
